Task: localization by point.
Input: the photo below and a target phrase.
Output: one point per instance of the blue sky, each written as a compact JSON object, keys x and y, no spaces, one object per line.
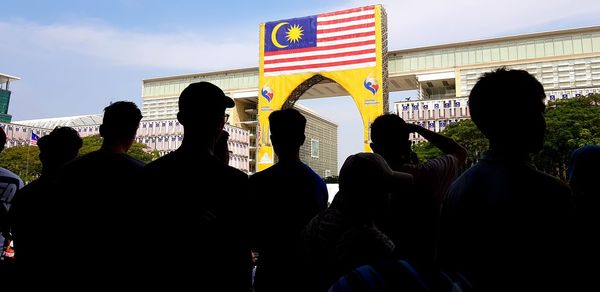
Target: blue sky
{"x":74,"y":57}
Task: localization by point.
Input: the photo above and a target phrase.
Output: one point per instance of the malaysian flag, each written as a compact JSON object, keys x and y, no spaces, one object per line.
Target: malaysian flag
{"x":333,"y":41}
{"x":34,"y":139}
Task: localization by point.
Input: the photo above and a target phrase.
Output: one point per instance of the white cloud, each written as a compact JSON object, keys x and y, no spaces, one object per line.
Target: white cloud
{"x":179,"y":51}
{"x":410,"y":24}
{"x":431,"y":22}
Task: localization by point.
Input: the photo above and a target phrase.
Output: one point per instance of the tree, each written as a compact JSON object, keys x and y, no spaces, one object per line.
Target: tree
{"x":464,"y":133}
{"x":137,"y":150}
{"x":570,"y":123}
{"x":24,"y":160}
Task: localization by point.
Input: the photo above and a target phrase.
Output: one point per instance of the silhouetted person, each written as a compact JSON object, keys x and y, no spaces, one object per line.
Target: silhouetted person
{"x":345,"y":236}
{"x":95,"y":236}
{"x":34,"y":209}
{"x":198,"y":203}
{"x":584,"y":174}
{"x":285,"y":197}
{"x":412,"y":218}
{"x":221,"y":150}
{"x":504,"y":224}
{"x":9,"y":184}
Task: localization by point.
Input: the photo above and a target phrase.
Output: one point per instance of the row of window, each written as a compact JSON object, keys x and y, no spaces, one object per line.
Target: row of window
{"x":579,"y":43}
{"x":497,"y":52}
{"x":226,"y":82}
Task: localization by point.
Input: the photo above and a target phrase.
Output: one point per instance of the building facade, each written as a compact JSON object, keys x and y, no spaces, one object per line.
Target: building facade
{"x":320,"y":147}
{"x":567,"y":63}
{"x":163,"y":136}
{"x":160,"y":97}
{"x":5,"y":93}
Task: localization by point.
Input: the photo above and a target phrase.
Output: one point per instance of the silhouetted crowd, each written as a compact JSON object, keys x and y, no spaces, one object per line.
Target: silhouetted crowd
{"x":188,"y":221}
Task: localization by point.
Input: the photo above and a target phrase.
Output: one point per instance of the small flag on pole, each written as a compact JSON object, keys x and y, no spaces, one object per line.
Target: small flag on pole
{"x":34,"y":139}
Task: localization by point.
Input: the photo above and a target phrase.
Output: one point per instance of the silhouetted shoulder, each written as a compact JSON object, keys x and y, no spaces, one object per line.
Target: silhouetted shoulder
{"x":168,"y":160}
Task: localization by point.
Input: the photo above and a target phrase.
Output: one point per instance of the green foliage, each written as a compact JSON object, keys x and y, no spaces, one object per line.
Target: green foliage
{"x":464,"y":133}
{"x":571,"y":123}
{"x":137,"y":150}
{"x":334,"y":179}
{"x":23,"y":161}
{"x":90,"y":144}
{"x":468,"y":135}
{"x":425,"y":151}
{"x":140,"y":151}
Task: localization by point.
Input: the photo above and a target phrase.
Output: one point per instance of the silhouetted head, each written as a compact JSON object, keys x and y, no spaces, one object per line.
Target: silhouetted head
{"x":59,"y":147}
{"x":366,"y":182}
{"x":389,"y":138}
{"x":583,"y":171}
{"x":120,"y":123}
{"x":202,"y":110}
{"x":2,"y":139}
{"x":508,"y":107}
{"x":287,"y":131}
{"x":221,"y":148}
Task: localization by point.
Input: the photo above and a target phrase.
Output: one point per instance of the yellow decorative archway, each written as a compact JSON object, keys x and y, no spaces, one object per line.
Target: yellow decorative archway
{"x":348,"y":47}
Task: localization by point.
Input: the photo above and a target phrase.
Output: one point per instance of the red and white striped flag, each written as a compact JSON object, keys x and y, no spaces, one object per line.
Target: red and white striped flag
{"x":333,"y":41}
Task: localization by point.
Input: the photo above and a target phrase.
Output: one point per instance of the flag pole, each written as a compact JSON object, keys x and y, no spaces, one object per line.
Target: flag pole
{"x":27,"y":155}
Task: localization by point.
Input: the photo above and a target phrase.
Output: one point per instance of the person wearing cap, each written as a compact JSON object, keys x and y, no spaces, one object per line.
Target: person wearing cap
{"x":284,"y":197}
{"x":345,"y":236}
{"x":197,"y":203}
{"x":221,"y":150}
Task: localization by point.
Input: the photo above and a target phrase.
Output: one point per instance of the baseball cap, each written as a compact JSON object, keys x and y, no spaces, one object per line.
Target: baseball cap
{"x":204,"y":95}
{"x":370,"y":169}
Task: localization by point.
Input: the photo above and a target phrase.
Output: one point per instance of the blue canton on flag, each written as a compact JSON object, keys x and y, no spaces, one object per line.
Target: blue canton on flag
{"x":290,"y":34}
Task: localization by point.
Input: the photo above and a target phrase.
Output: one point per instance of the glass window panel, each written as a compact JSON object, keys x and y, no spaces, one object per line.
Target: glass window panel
{"x":503,"y":53}
{"x":392,"y":65}
{"x":486,"y":55}
{"x":539,"y":50}
{"x":577,"y":46}
{"x":429,"y":61}
{"x":495,"y":54}
{"x":549,"y":48}
{"x":558,"y":48}
{"x":406,"y":64}
{"x":414,"y":63}
{"x":530,"y":51}
{"x":479,"y":54}
{"x":586,"y":43}
{"x":472,"y":58}
{"x":522,"y":52}
{"x":596,"y":44}
{"x":444,"y":60}
{"x":512,"y":53}
{"x":451,"y":62}
{"x":568,"y":46}
{"x":422,"y":62}
{"x":437,"y":60}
